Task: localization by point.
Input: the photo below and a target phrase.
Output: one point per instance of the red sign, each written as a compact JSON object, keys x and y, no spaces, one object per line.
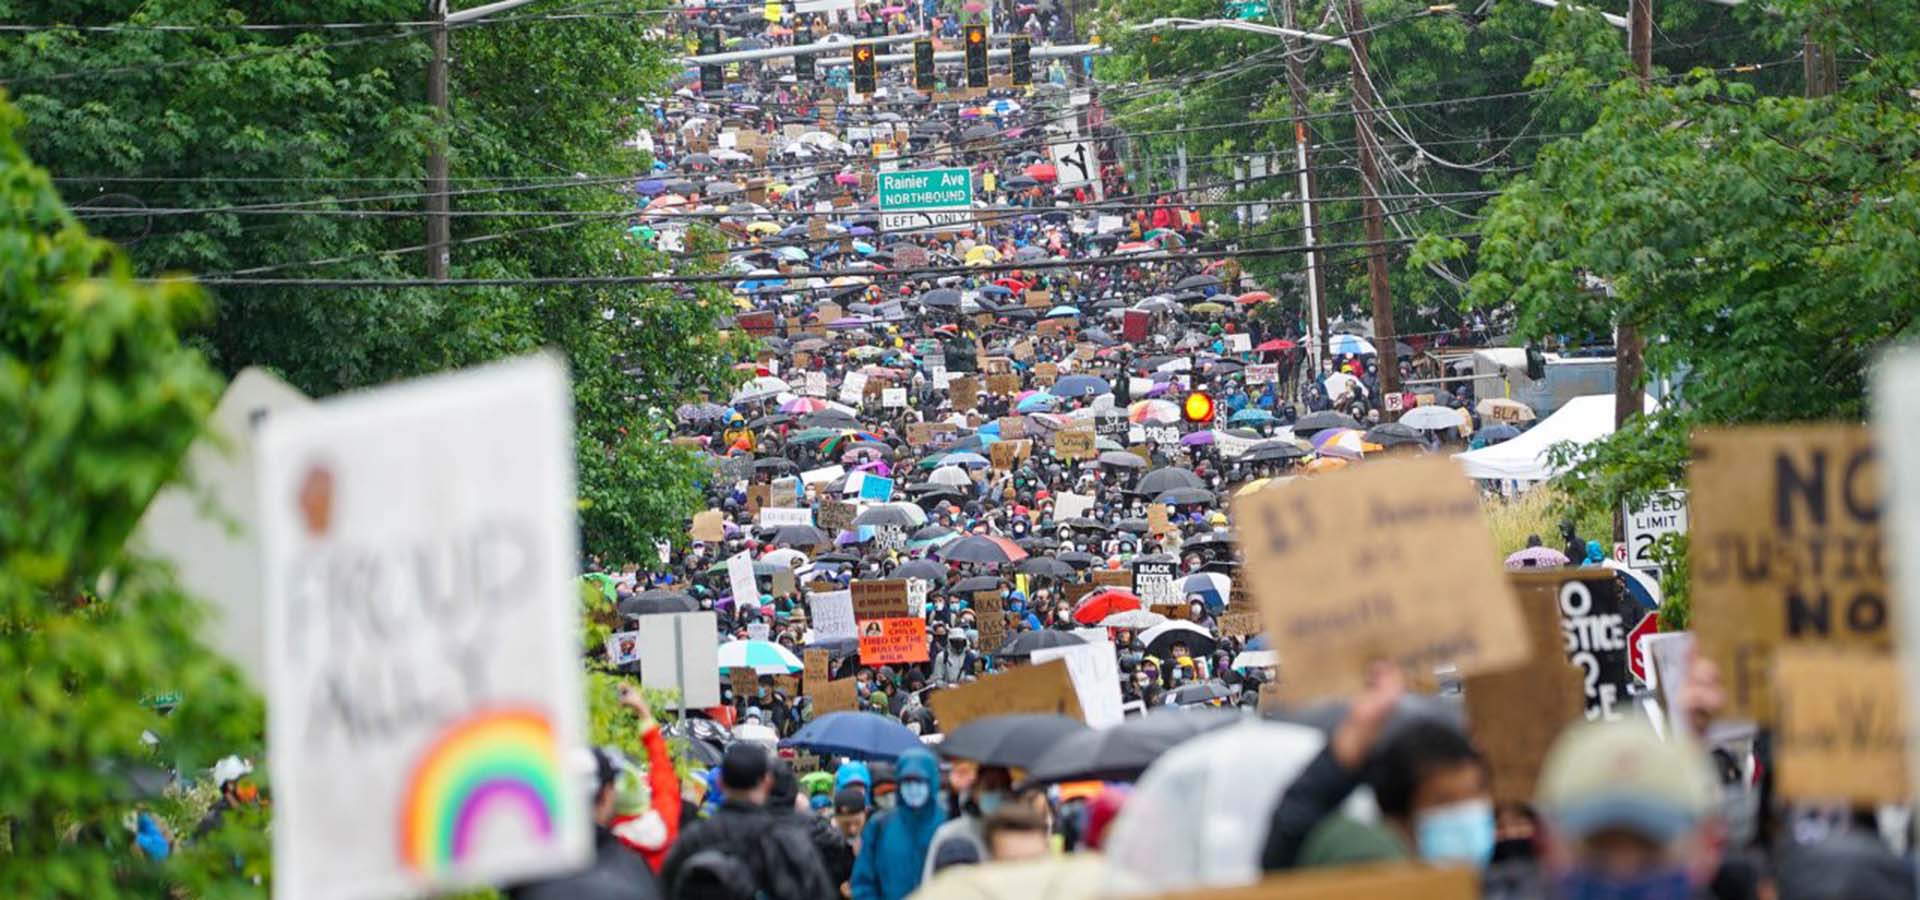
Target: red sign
{"x":1636,"y":657}
{"x":892,"y":641}
{"x":1134,"y":324}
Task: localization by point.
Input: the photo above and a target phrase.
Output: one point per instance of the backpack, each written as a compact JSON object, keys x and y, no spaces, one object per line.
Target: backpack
{"x":714,"y":875}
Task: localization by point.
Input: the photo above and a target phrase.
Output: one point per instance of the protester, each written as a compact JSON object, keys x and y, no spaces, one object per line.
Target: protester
{"x":742,"y":851}
{"x":1627,"y":814}
{"x":647,"y":804}
{"x":893,"y":848}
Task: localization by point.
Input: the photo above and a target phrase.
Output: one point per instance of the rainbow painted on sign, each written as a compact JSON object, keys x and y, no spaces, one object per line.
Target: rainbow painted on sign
{"x":491,"y":763}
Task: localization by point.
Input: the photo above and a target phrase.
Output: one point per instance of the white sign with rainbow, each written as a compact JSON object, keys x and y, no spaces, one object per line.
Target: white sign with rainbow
{"x":424,"y":696}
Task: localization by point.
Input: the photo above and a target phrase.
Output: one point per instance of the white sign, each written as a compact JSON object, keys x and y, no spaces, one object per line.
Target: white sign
{"x":740,"y":577}
{"x":853,"y":388}
{"x":1070,"y":506}
{"x":623,"y":647}
{"x":408,"y":534}
{"x":781,"y":517}
{"x":1075,"y":163}
{"x":1108,"y":224}
{"x":890,"y":537}
{"x":757,"y":631}
{"x":681,"y":653}
{"x":1230,"y":446}
{"x":1160,"y":435}
{"x":1665,"y":512}
{"x":1263,"y":373}
{"x":816,"y":384}
{"x":822,"y":475}
{"x":917,"y":597}
{"x":832,"y":615}
{"x":893,"y":398}
{"x":206,"y":529}
{"x":1239,"y":343}
{"x":1154,"y":582}
{"x":1095,"y":671}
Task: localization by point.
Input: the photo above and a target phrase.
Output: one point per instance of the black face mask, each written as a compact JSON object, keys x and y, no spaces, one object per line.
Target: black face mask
{"x":1512,"y":849}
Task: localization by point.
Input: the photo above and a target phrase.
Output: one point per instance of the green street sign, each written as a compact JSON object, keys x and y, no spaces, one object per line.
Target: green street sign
{"x":925,"y":198}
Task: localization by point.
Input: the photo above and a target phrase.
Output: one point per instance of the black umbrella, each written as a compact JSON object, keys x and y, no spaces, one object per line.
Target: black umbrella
{"x":1199,"y":694}
{"x":1394,"y":434}
{"x":979,"y":548}
{"x":772,"y":464}
{"x":1024,"y":643}
{"x":1323,"y":420}
{"x":1121,"y":459}
{"x":942,"y":298}
{"x":1124,"y":751}
{"x":1273,"y":451}
{"x":1162,"y":480}
{"x":1197,"y":281}
{"x":976,"y":583}
{"x":930,"y":533}
{"x":800,"y":536}
{"x":887,"y":514}
{"x":1161,"y":638}
{"x":923,"y":569}
{"x":1086,"y":524}
{"x":1016,"y":742}
{"x":1078,"y":559}
{"x":655,"y":603}
{"x":1043,"y":566}
{"x":1184,"y":495}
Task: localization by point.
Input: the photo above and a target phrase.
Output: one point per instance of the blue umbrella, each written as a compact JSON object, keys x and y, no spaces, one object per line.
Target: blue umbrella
{"x":1081,"y":386}
{"x":1494,"y":434}
{"x":650,"y":187}
{"x":1060,"y":312}
{"x":862,"y":247}
{"x":964,"y":459}
{"x":1349,"y":344}
{"x":856,"y":734}
{"x":1251,"y":417}
{"x":1037,"y":403}
{"x":997,"y":289}
{"x":793,"y":253}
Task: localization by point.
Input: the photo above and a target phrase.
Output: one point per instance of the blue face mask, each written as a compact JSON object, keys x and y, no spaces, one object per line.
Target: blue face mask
{"x":990,"y":801}
{"x":915,"y":793}
{"x":1458,"y":832}
{"x":1587,"y":884}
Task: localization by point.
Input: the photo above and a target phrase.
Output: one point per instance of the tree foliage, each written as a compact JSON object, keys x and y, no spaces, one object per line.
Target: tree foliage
{"x":98,"y":400}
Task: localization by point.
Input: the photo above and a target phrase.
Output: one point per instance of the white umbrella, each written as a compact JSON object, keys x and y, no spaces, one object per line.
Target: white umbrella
{"x":764,"y":657}
{"x":1431,"y":418}
{"x":785,"y":556}
{"x":1133,"y":618}
{"x":1256,"y":659}
{"x":950,"y":475}
{"x":761,"y":388}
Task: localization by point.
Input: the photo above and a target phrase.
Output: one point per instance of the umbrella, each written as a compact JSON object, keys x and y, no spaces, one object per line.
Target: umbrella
{"x":1098,"y":605}
{"x":1024,"y":643}
{"x":1016,"y":741}
{"x":1276,"y":345}
{"x":1122,"y":459}
{"x":950,"y":475}
{"x":1395,"y":434}
{"x":1251,"y":417}
{"x":983,"y":548}
{"x":1124,"y":751}
{"x":1192,"y":282}
{"x":1536,"y":558}
{"x":1183,"y":496}
{"x":652,"y":603}
{"x":903,"y":515}
{"x":1081,"y":386}
{"x":1349,"y":344}
{"x":1137,"y":619}
{"x":1256,"y":659}
{"x":1498,"y":432}
{"x":1326,"y":418}
{"x":800,"y":536}
{"x":973,"y":583}
{"x":1045,"y":567}
{"x":1201,"y":694}
{"x":1343,"y":443}
{"x":1160,"y":638}
{"x":1166,"y":479}
{"x":1212,"y":588}
{"x":1429,"y":418}
{"x":1274,"y":450}
{"x":856,"y":734}
{"x":1503,"y":410}
{"x":763,"y":388}
{"x":764,"y":657}
{"x":923,"y":569}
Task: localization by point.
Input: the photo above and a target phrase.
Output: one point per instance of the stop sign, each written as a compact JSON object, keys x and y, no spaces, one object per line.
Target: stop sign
{"x":1636,"y":656}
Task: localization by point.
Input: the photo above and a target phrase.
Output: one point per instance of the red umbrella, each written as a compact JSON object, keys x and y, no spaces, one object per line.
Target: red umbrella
{"x":1103,"y":603}
{"x":1042,"y":172}
{"x":1251,"y":297}
{"x":1275,"y":345}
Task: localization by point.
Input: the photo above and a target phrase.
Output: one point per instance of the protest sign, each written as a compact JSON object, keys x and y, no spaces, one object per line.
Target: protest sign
{"x":989,"y":617}
{"x":882,"y":599}
{"x":1112,"y":578}
{"x":890,"y":537}
{"x":919,"y":434}
{"x":1043,"y":688}
{"x":744,"y":681}
{"x":893,"y":641}
{"x":853,"y":388}
{"x":834,"y":696}
{"x":709,"y":526}
{"x":1007,"y":454}
{"x":814,"y":663}
{"x":1595,"y":616}
{"x":1363,"y":607}
{"x":1785,"y":548}
{"x":623,"y":647}
{"x":1231,"y":446}
{"x":1073,"y":444}
{"x":784,"y":583}
{"x":1045,"y":374}
{"x":1068,"y":505}
{"x":822,"y":475}
{"x":1094,"y":669}
{"x":1003,"y":385}
{"x":1840,"y":728}
{"x":1013,"y":428}
{"x":893,"y":398}
{"x":781,"y":517}
{"x":1157,"y":519}
{"x":758,"y":496}
{"x":681,"y":652}
{"x":964,"y":392}
{"x":740,"y":576}
{"x":815,"y":384}
{"x":835,"y":516}
{"x":873,"y":487}
{"x":1153,"y":582}
{"x":1517,"y":714}
{"x":1364,"y":882}
{"x":917,"y":590}
{"x":1240,"y":342}
{"x":382,"y":707}
{"x":1239,"y":622}
{"x":1668,"y":655}
{"x":1263,"y":373}
{"x":832,"y":615}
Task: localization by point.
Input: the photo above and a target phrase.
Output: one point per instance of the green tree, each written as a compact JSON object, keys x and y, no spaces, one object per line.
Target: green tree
{"x":98,"y":400}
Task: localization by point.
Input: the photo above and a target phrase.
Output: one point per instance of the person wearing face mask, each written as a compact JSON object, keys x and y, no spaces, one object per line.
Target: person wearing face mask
{"x":894,"y":845}
{"x":961,"y":840}
{"x":955,"y":662}
{"x":1627,"y":816}
{"x":1431,"y":785}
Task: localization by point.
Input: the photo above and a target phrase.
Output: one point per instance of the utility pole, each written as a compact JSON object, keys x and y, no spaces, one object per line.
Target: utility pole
{"x":1823,"y":76}
{"x":1384,"y":341}
{"x":1629,"y":371}
{"x":439,"y":220}
{"x":1316,"y":281}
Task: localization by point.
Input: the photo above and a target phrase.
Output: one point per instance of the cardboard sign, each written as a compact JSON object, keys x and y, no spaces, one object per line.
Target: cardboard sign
{"x":1840,"y":726}
{"x":377,"y":701}
{"x":1013,"y":428}
{"x":788,"y":685}
{"x":710,"y":526}
{"x":1043,"y":688}
{"x":1154,"y":582}
{"x":1370,"y":882}
{"x":1238,"y":623}
{"x":758,"y":495}
{"x":832,"y":615}
{"x":965,"y":393}
{"x":835,"y":516}
{"x":1046,"y":373}
{"x":835,"y":696}
{"x":1007,"y":454}
{"x":892,"y":641}
{"x":815,"y":668}
{"x":1177,"y":611}
{"x":893,"y":398}
{"x":1157,"y":520}
{"x":1785,"y":549}
{"x":1073,"y":444}
{"x":1362,"y":609}
{"x":1003,"y":385}
{"x":989,"y":617}
{"x":1516,"y":715}
{"x":744,"y":681}
{"x":879,"y":599}
{"x":1113,"y":578}
{"x":784,"y":584}
{"x":919,"y":434}
{"x":1039,"y":299}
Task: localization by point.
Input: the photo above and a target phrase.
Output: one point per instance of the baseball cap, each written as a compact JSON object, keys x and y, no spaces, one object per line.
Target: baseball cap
{"x":1622,"y":776}
{"x":849,"y":800}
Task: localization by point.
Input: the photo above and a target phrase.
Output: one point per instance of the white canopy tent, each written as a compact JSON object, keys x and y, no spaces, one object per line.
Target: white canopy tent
{"x":1582,"y":420}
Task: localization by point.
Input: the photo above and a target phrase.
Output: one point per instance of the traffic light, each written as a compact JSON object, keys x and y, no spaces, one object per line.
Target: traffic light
{"x":1536,"y":363}
{"x":864,"y":74}
{"x":713,"y":78}
{"x":923,"y":65}
{"x":1021,"y":53}
{"x":802,"y":62}
{"x":976,"y":56}
{"x":1198,"y":407}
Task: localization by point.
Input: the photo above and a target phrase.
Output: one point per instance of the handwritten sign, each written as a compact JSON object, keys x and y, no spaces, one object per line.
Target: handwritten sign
{"x":1517,"y":714}
{"x":1362,"y":610}
{"x":832,"y":615}
{"x":781,"y":517}
{"x":1003,"y":385}
{"x":989,"y":616}
{"x":1013,"y":428}
{"x":1840,"y":728}
{"x":1094,"y":669}
{"x":893,"y":398}
{"x":377,"y":698}
{"x":835,"y":516}
{"x":965,"y":393}
{"x":893,"y":641}
{"x":1157,"y":519}
{"x":1007,"y":454}
{"x":744,"y":681}
{"x":1073,"y":444}
{"x":814,"y":668}
{"x":740,"y":576}
{"x":885,"y":599}
{"x":834,"y":696}
{"x":709,"y":526}
{"x":1786,"y":548}
{"x":1044,"y":688}
{"x":1239,"y":623}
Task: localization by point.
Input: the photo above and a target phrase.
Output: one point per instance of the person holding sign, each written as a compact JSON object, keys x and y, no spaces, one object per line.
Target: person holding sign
{"x":646,"y":815}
